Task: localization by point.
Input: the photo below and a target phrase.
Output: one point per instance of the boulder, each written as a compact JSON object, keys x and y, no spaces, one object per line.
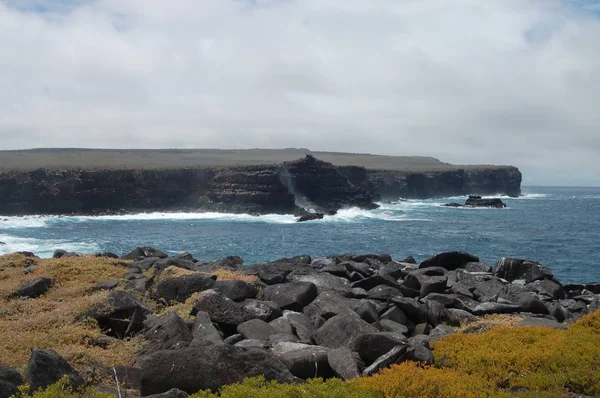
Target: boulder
{"x":304,"y":361}
{"x":10,"y":380}
{"x":496,"y":308}
{"x":456,"y":317}
{"x":293,"y":296}
{"x":46,"y":367}
{"x":140,"y":253}
{"x":367,"y":311}
{"x":541,"y":322}
{"x":373,"y":345}
{"x":263,"y":310}
{"x":548,"y":288}
{"x":221,"y":309}
{"x":324,"y":282}
{"x":478,"y":201}
{"x":310,"y":217}
{"x":440,"y":331}
{"x":35,"y":288}
{"x":182,"y":287}
{"x":236,"y":290}
{"x":164,"y":263}
{"x":478,"y":267}
{"x":169,"y":332}
{"x":211,"y":367}
{"x":340,"y":329}
{"x":256,"y":329}
{"x":391,"y":326}
{"x":328,"y":305}
{"x":301,"y":326}
{"x":513,"y":268}
{"x":397,"y":354}
{"x":395,"y":314}
{"x":120,"y":315}
{"x":343,"y":364}
{"x":253,"y":343}
{"x":383,"y":292}
{"x":282,"y":325}
{"x":449,"y":260}
{"x":172,"y":393}
{"x":107,"y":284}
{"x":283,"y":338}
{"x":433,"y":284}
{"x":204,"y":330}
{"x":412,"y":308}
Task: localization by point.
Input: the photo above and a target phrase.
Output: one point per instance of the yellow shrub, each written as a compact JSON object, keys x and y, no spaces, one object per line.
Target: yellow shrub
{"x":589,"y":323}
{"x":61,"y":390}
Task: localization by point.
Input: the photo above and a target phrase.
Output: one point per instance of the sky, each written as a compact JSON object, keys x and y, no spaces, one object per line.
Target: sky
{"x":467,"y":81}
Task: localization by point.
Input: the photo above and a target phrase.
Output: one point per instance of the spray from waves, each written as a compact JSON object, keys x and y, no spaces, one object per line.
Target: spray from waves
{"x":184,"y":216}
{"x":24,"y":222}
{"x":43,"y":247}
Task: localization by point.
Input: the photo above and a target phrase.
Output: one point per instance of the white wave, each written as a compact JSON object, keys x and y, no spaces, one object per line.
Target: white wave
{"x":356,"y":214}
{"x":267,"y":218}
{"x":43,"y":247}
{"x":23,"y":222}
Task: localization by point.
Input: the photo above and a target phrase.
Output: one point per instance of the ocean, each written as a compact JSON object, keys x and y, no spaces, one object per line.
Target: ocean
{"x":559,"y":227}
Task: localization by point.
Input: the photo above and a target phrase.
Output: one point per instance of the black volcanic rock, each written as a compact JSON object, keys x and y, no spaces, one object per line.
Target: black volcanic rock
{"x":478,"y":201}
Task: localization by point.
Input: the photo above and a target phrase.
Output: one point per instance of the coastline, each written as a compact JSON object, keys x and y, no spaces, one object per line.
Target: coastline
{"x":295,"y":316}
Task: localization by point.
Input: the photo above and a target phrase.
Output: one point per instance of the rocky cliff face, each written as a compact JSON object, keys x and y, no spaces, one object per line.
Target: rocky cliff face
{"x":391,"y":185}
{"x":283,"y":188}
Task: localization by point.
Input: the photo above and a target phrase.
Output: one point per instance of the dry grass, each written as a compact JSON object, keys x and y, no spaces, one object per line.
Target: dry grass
{"x":51,"y":321}
{"x":228,"y":275}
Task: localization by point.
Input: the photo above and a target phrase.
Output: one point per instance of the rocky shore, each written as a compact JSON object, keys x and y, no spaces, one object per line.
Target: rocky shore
{"x":344,"y":316}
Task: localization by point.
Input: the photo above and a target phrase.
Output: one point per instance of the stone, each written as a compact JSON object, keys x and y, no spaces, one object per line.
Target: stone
{"x":422,"y":354}
{"x":211,"y":367}
{"x":367,"y":311}
{"x":10,"y":380}
{"x":478,"y":267}
{"x":35,"y":288}
{"x":391,"y":326}
{"x":383,"y":292}
{"x":233,"y":339}
{"x":433,"y":284}
{"x":263,"y":310}
{"x":120,"y":315}
{"x":172,"y":393}
{"x":306,"y":361}
{"x":324,"y":282}
{"x":182,"y":287}
{"x":282,"y":325}
{"x":513,"y":268}
{"x":293,"y":296}
{"x":373,"y":345}
{"x":395,"y":314}
{"x":46,"y":367}
{"x":107,"y":284}
{"x":412,"y":308}
{"x":395,"y":355}
{"x":339,"y":330}
{"x":547,"y":287}
{"x":458,"y":318}
{"x":165,"y":263}
{"x":253,"y":343}
{"x":328,"y":305}
{"x":496,"y":308}
{"x":440,"y":331}
{"x":376,"y":280}
{"x":343,"y":364}
{"x":449,"y":260}
{"x":283,"y":338}
{"x":169,"y":332}
{"x":221,"y":309}
{"x":236,"y":290}
{"x":301,"y":326}
{"x":140,"y":253}
{"x":255,"y":329}
{"x":435,"y":311}
{"x":203,"y":329}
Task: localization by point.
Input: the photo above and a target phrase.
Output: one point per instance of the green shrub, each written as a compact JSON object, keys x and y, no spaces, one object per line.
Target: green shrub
{"x":61,"y":390}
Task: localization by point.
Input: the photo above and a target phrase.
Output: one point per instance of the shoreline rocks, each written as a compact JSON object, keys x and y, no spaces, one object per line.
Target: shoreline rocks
{"x":478,"y":201}
{"x":346,"y":315}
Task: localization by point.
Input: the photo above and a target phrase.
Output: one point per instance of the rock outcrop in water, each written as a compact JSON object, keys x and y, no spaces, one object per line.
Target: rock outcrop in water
{"x":478,"y":201}
{"x":285,"y":188}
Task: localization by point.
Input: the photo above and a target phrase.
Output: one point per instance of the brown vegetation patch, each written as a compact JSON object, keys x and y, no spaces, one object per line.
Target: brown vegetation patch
{"x":54,"y":320}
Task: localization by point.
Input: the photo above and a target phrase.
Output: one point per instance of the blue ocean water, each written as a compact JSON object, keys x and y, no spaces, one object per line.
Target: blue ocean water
{"x":559,"y":227}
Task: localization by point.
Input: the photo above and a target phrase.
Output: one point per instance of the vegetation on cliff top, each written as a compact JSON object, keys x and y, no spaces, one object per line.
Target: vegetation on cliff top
{"x":504,"y":360}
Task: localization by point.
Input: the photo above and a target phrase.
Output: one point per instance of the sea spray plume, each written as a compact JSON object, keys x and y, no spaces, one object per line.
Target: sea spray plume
{"x":300,"y":200}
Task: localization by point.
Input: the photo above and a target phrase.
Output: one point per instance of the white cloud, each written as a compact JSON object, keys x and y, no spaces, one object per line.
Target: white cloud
{"x":503,"y":82}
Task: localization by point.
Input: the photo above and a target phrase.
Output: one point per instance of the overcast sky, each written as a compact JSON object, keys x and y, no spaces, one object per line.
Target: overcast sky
{"x":467,"y":81}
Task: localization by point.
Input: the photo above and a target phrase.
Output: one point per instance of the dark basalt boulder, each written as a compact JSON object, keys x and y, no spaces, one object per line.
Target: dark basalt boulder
{"x":293,"y":296}
{"x":326,"y":306}
{"x":182,"y":287}
{"x":513,"y":268}
{"x":373,"y":345}
{"x":433,"y":284}
{"x":310,"y":217}
{"x":236,"y":290}
{"x":204,"y":330}
{"x":221,"y":309}
{"x":456,"y":317}
{"x":120,"y":315}
{"x":339,"y":330}
{"x":301,"y":326}
{"x":256,"y":329}
{"x":324,"y":282}
{"x":10,"y":380}
{"x":231,"y":263}
{"x":304,"y":361}
{"x":398,"y":354}
{"x":383,"y":292}
{"x":35,"y":288}
{"x":46,"y":367}
{"x":413,"y":309}
{"x":140,"y":253}
{"x":172,"y":393}
{"x":449,"y":260}
{"x":167,"y":333}
{"x":164,"y":263}
{"x":210,"y":367}
{"x":496,"y":308}
{"x":343,"y":364}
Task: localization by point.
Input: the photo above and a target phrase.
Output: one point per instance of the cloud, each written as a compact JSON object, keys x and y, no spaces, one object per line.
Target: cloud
{"x":510,"y":82}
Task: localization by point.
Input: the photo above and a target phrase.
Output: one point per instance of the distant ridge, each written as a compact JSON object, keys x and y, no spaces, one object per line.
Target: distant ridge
{"x":113,"y":159}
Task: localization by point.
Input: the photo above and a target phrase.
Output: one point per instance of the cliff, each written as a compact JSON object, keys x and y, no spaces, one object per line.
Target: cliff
{"x":287,"y":187}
